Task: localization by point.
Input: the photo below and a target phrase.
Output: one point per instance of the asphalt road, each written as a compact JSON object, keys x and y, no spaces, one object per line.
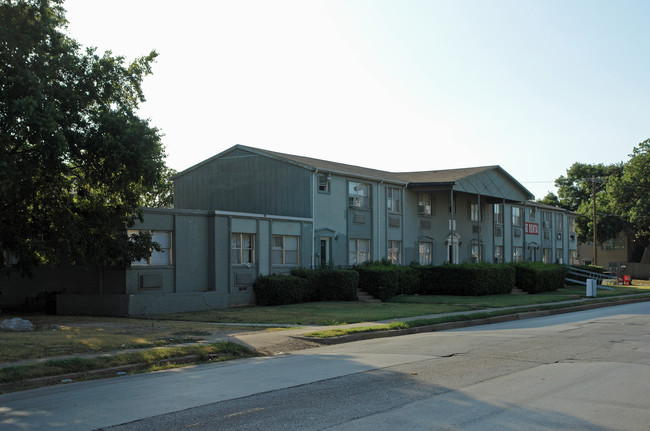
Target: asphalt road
{"x":585,"y":370}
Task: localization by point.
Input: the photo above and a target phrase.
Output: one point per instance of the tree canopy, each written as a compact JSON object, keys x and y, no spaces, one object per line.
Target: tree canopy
{"x":622,"y":196}
{"x":76,"y":162}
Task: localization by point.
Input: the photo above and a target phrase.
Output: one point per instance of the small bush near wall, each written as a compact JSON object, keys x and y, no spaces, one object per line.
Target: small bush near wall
{"x":281,"y":290}
{"x":534,"y":277}
{"x":466,"y":279}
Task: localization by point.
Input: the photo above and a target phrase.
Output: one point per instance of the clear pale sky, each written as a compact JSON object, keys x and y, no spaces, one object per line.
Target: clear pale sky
{"x":408,"y":85}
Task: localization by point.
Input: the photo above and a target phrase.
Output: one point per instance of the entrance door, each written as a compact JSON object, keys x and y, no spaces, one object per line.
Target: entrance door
{"x":324,"y":251}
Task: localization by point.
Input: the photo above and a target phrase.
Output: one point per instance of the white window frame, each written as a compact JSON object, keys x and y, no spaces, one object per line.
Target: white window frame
{"x":476,"y":253}
{"x":359,"y":251}
{"x":359,"y":195}
{"x":559,"y":222}
{"x":324,"y":183}
{"x":157,"y":258}
{"x":547,"y":255}
{"x":242,"y":255}
{"x":425,"y":253}
{"x":394,"y":199}
{"x":395,"y":252}
{"x":475,"y":212}
{"x":498,"y":213}
{"x":517,"y":216}
{"x":517,"y":254}
{"x":425,"y":208}
{"x":280,"y":251}
{"x":498,"y":254}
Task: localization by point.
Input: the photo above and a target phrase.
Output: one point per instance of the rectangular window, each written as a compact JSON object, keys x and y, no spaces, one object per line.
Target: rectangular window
{"x":517,"y":216}
{"x":531,"y":213}
{"x":359,"y":195}
{"x":498,"y":254}
{"x":571,"y":222}
{"x":559,"y":255}
{"x":324,"y":183}
{"x":425,"y":256}
{"x":617,"y":243}
{"x":475,"y":212}
{"x":243,"y":249}
{"x":359,"y":251}
{"x":547,"y":256}
{"x":546,"y":219}
{"x":395,"y":252}
{"x":393,"y":199}
{"x":285,"y":250}
{"x":162,"y":257}
{"x":498,"y":213}
{"x":573,"y":256}
{"x":559,"y":221}
{"x":477,"y":252}
{"x":517,"y":254}
{"x":425,"y":204}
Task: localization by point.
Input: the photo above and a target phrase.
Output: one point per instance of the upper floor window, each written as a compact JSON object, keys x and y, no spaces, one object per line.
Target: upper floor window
{"x":285,"y":250}
{"x":571,"y":222}
{"x":243,"y":248}
{"x":475,"y":212}
{"x":359,"y":195}
{"x":425,"y":204}
{"x":517,"y":216}
{"x":617,"y":243}
{"x":393,"y":199}
{"x":324,"y":183}
{"x":531,"y":213}
{"x":158,"y":257}
{"x":559,"y":221}
{"x":546,"y":219}
{"x":498,"y":213}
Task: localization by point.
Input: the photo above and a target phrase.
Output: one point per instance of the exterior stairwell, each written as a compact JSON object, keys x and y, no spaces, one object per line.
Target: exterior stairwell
{"x":365,"y":296}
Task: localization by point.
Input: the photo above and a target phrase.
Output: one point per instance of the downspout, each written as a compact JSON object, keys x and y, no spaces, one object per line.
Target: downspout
{"x":452,"y":228}
{"x":314,"y":179}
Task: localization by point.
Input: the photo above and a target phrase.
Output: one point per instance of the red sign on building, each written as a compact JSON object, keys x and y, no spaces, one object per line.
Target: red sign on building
{"x":532,"y":228}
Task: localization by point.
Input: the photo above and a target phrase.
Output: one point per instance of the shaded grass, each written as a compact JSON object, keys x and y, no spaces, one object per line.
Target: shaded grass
{"x":72,"y":335}
{"x":152,"y":359}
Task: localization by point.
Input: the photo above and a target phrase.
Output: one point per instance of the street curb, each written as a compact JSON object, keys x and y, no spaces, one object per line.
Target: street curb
{"x":465,"y":323}
{"x":84,"y":375}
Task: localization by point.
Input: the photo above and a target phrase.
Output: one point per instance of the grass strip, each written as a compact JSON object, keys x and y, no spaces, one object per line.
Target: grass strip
{"x":153,"y":359}
{"x":339,"y":332}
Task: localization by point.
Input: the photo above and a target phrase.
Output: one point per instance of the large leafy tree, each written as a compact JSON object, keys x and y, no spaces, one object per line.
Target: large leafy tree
{"x":75,"y":159}
{"x":630,"y":192}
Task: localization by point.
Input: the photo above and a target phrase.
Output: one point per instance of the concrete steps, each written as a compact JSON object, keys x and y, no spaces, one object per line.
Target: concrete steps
{"x":366,"y":297}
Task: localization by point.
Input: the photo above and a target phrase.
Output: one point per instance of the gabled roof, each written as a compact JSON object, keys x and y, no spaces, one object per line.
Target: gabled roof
{"x":486,"y":180}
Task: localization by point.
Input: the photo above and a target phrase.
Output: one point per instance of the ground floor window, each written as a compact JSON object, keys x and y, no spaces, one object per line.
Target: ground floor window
{"x":243,"y":248}
{"x":395,"y":252}
{"x":158,"y":257}
{"x":425,"y":255}
{"x":285,"y":250}
{"x":573,"y":257}
{"x":559,"y":255}
{"x":477,"y":252}
{"x":359,"y":251}
{"x":517,"y":254}
{"x":547,"y":256}
{"x":498,"y":254}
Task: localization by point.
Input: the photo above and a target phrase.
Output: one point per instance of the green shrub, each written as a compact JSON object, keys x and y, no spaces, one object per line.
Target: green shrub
{"x":330,"y":284}
{"x":473,"y":279}
{"x":381,"y":281}
{"x":534,"y":277}
{"x":281,"y":290}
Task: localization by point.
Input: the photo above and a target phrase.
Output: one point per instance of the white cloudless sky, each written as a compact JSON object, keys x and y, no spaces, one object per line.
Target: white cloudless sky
{"x":408,"y":85}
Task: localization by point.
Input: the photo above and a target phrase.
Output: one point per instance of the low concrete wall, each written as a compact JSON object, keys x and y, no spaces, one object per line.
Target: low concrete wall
{"x":637,"y":270}
{"x":138,"y":305}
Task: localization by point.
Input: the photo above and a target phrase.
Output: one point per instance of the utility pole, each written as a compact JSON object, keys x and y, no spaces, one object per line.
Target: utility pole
{"x":593,"y":198}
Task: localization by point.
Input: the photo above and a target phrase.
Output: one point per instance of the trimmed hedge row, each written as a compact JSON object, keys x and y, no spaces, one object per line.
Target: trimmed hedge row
{"x":472,"y":279}
{"x":385,"y":281}
{"x":306,"y":285}
{"x":535,"y":277}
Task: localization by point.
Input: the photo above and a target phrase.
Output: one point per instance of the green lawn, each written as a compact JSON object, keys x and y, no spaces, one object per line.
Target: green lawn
{"x":335,"y":313}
